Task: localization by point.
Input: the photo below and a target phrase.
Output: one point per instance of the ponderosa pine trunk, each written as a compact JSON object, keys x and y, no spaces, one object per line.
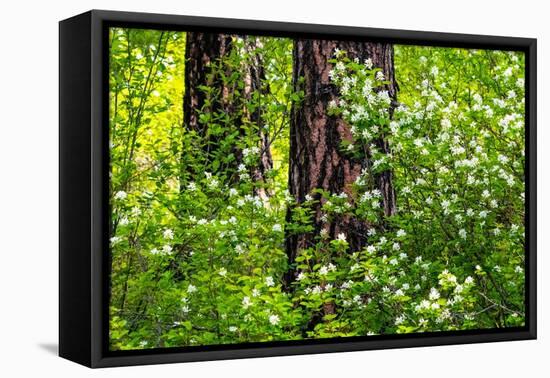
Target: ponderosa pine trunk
{"x":316,"y":161}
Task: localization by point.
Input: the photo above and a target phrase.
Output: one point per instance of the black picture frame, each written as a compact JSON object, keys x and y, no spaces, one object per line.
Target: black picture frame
{"x":83,"y":193}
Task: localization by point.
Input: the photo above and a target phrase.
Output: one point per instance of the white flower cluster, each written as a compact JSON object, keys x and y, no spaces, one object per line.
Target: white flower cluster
{"x":211,"y":181}
{"x":372,"y":196}
{"x":250,"y":154}
{"x":339,"y":207}
{"x":341,"y":237}
{"x":165,"y":250}
{"x":269,"y":281}
{"x":121,"y":195}
{"x":277,"y":228}
{"x":168,"y":234}
{"x":248,"y":198}
{"x":368,"y":100}
{"x":246,"y":302}
{"x":447,"y":278}
{"x":318,"y":289}
{"x":325,"y":269}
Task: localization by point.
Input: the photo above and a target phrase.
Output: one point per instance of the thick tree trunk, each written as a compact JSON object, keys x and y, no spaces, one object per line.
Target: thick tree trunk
{"x":316,"y":160}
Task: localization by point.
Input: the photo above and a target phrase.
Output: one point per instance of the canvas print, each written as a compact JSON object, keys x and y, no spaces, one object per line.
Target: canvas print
{"x":267,"y":189}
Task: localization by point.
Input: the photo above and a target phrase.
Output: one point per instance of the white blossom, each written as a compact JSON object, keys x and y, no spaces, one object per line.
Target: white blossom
{"x":246,"y":302}
{"x":316,"y":290}
{"x":434,"y":294}
{"x":368,"y":63}
{"x":274,"y":319}
{"x":168,"y":234}
{"x":115,"y":239}
{"x":520,"y":82}
{"x":213,"y":183}
{"x":120,"y":195}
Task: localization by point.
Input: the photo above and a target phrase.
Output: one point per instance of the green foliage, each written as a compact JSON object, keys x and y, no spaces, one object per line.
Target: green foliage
{"x":198,"y":244}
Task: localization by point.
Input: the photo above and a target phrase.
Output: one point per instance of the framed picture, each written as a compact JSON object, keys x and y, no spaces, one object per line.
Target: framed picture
{"x":234,"y":188}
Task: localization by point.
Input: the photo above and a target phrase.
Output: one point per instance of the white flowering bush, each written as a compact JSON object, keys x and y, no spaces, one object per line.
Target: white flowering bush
{"x":452,"y":256}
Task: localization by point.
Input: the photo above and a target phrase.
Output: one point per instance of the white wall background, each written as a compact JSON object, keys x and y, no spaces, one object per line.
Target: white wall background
{"x":29,"y":189}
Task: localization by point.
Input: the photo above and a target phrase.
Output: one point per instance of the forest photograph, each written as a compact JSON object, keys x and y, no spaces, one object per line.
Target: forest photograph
{"x":268,"y":189}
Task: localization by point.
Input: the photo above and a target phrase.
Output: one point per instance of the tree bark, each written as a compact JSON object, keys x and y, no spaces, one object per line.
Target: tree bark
{"x":204,"y":53}
{"x":201,"y":51}
{"x":316,"y":160}
{"x":255,"y":91}
{"x":228,"y":102}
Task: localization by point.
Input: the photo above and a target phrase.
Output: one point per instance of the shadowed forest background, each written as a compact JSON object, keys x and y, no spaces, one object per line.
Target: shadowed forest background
{"x":267,"y":189}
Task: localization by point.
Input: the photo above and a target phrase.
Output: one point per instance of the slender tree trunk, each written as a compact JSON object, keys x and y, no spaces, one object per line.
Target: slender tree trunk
{"x":255,"y":91}
{"x":316,"y":160}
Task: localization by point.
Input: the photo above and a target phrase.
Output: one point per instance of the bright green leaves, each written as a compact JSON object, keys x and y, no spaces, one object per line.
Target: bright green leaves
{"x":198,"y":243}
